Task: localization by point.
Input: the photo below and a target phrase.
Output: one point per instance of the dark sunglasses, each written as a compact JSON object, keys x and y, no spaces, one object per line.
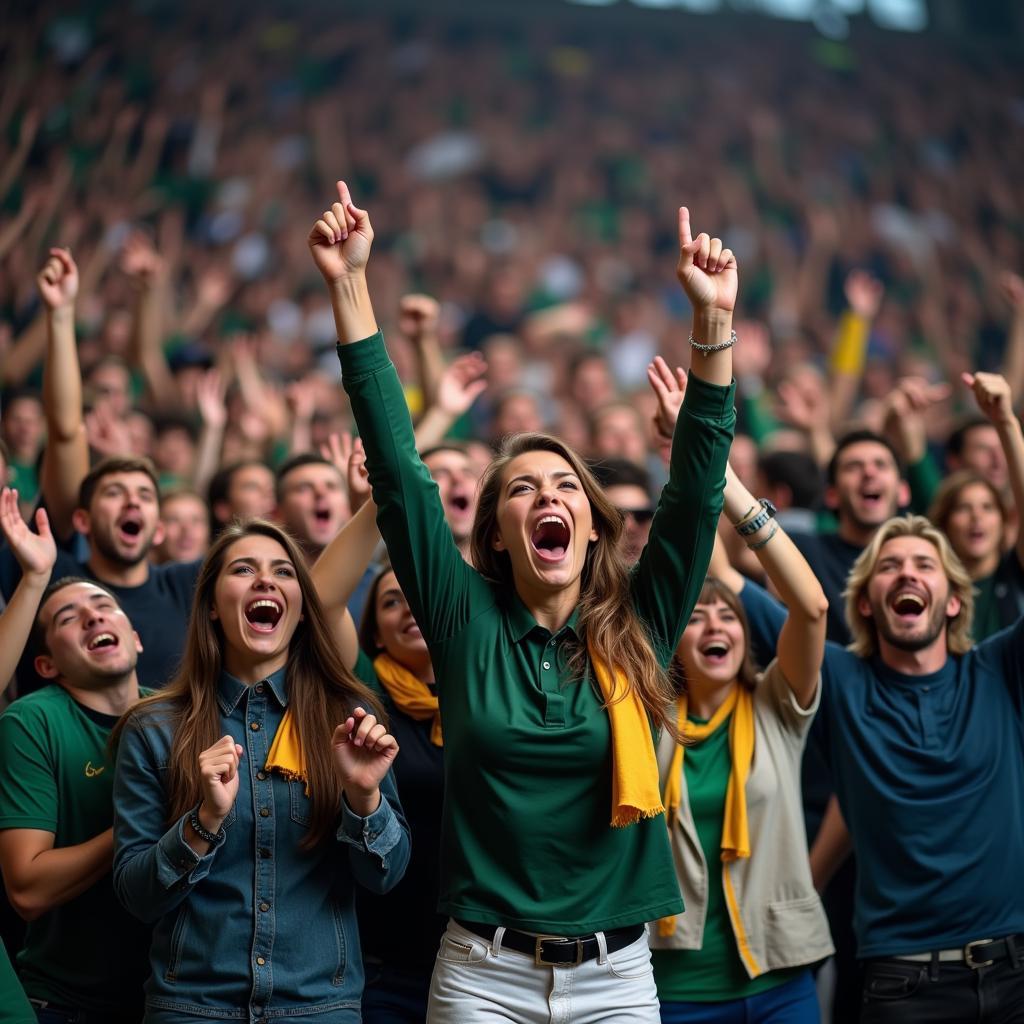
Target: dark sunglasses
{"x":639,"y":515}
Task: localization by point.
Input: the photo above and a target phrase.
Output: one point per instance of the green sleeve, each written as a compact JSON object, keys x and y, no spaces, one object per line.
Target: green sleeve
{"x":28,"y":786}
{"x":669,"y":576}
{"x":924,"y":478}
{"x":443,"y":592}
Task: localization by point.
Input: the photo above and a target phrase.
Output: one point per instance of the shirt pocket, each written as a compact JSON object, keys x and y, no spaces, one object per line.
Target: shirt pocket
{"x":178,"y":935}
{"x":793,"y":929}
{"x":300,"y":806}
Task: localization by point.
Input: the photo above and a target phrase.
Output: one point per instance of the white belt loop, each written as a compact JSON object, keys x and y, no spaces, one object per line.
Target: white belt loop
{"x":602,"y":948}
{"x":496,"y":941}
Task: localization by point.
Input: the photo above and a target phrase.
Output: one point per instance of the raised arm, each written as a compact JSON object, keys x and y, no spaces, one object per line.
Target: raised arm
{"x":801,"y":644}
{"x":671,"y":570}
{"x":992,"y":393}
{"x":36,"y":554}
{"x":442,"y":590}
{"x":66,"y":456}
{"x":341,"y":565}
{"x":418,"y":317}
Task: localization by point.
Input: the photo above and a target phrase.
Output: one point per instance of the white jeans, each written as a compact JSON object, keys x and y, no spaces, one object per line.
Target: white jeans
{"x":477,"y":981}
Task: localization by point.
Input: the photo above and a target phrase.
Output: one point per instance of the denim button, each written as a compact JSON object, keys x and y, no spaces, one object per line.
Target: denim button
{"x":264,"y":812}
{"x":264,"y":907}
{"x":261,"y":775}
{"x":260,"y":961}
{"x":255,"y":726}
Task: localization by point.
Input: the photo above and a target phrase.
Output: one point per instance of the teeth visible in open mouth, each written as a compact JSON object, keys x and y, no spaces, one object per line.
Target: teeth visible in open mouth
{"x":263,"y":612}
{"x":102,"y":640}
{"x":908,"y":604}
{"x":551,"y":536}
{"x":715,"y":651}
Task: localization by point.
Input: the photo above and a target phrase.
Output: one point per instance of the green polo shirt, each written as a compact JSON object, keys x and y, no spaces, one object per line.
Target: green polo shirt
{"x":14,"y":1007}
{"x":56,"y":776}
{"x":526,"y":834}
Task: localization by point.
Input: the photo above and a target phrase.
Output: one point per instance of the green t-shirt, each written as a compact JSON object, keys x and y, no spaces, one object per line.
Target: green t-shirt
{"x":14,"y":1007}
{"x":714,"y":972}
{"x":55,"y":775}
{"x":527,"y":840}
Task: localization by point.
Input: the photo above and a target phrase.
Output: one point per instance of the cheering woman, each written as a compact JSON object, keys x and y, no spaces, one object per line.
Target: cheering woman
{"x":252,"y":795}
{"x":550,"y":659}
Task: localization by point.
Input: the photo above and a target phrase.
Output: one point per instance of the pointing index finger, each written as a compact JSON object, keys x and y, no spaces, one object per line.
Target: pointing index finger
{"x":685,"y":237}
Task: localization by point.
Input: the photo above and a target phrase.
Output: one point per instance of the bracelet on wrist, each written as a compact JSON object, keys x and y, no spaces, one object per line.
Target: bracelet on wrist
{"x":752,"y":524}
{"x":708,"y":349}
{"x":202,"y":831}
{"x":758,"y":544}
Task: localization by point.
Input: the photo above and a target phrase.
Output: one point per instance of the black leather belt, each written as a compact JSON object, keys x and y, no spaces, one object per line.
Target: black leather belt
{"x":557,"y":950}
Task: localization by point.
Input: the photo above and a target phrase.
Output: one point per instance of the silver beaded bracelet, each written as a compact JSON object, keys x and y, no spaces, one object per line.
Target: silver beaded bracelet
{"x":708,"y":349}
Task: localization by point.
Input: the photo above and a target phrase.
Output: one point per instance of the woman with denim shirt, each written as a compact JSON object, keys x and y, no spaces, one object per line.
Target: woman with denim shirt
{"x":245,"y":850}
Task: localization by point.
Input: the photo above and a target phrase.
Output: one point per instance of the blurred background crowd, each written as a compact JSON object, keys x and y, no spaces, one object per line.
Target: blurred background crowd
{"x":523,"y":164}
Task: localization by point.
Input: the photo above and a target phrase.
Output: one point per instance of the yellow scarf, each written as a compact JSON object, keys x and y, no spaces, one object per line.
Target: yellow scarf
{"x":286,"y":754}
{"x":412,"y":696}
{"x":635,"y":793}
{"x":735,"y":834}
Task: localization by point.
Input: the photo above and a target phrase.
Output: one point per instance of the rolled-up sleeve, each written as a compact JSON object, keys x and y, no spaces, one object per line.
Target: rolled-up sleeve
{"x":379,"y":844}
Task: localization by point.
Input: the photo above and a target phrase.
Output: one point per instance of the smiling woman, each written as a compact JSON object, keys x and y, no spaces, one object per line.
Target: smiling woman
{"x":260,"y":778}
{"x":550,"y":664}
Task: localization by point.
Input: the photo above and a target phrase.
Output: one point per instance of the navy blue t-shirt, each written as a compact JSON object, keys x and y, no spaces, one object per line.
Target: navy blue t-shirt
{"x":159,"y":611}
{"x":929,"y":771}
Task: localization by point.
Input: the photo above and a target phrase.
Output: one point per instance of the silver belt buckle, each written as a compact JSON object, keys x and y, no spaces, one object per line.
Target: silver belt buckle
{"x":538,"y":953}
{"x":969,"y":954}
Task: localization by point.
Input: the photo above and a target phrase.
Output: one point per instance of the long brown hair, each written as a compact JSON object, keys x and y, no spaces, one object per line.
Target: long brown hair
{"x":608,"y":623}
{"x":321,"y":689}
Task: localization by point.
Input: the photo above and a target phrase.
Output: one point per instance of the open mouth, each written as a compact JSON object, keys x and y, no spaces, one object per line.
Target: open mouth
{"x":102,"y":641}
{"x":263,"y":615}
{"x":322,"y":516}
{"x":460,"y":502}
{"x":130,"y":527}
{"x":550,"y":538}
{"x":908,"y":605}
{"x":871,"y":497}
{"x":715,"y":652}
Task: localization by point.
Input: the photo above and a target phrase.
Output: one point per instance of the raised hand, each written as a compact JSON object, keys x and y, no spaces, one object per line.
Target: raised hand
{"x":462,"y":382}
{"x":36,"y":552}
{"x":341,"y":239}
{"x":363,"y":752}
{"x":706,"y":270}
{"x":992,"y":393}
{"x":418,"y":316}
{"x":210,"y":391}
{"x":218,"y":777}
{"x":864,"y":293}
{"x":140,"y":260}
{"x":58,"y":280}
{"x":346,"y":454}
{"x":105,"y":433}
{"x":670,"y":390}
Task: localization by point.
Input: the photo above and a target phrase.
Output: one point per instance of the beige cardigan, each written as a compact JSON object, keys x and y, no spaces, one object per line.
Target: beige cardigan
{"x":776,"y":915}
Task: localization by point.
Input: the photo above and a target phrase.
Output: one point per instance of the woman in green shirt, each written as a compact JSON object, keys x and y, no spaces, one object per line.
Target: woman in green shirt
{"x":753,"y":922}
{"x":550,"y":658}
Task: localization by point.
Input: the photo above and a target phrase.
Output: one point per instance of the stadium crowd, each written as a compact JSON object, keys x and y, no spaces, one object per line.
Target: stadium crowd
{"x":321,"y":685}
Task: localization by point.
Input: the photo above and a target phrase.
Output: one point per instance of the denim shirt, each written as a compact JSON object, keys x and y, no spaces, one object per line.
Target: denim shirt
{"x":257,"y":929}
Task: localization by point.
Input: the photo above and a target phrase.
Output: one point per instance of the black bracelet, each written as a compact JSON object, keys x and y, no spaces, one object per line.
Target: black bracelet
{"x":203,"y":832}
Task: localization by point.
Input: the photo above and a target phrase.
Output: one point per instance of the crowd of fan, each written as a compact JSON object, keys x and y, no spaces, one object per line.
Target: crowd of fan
{"x":158,"y":304}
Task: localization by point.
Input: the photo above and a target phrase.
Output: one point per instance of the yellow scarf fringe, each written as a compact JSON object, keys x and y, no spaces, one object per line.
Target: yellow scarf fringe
{"x":635,"y":791}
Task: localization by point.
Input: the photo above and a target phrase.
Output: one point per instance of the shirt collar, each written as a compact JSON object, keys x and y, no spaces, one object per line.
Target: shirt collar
{"x":231,"y":690}
{"x":521,"y":621}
